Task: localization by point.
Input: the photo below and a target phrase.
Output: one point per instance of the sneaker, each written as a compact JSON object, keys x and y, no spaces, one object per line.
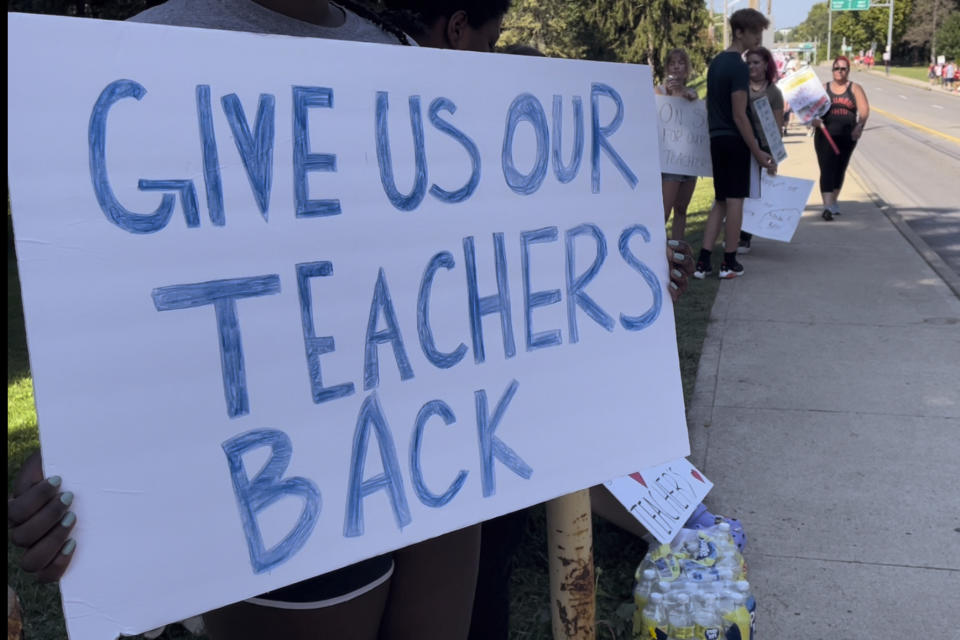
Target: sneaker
{"x":702,"y":271}
{"x":732,"y":271}
{"x":827,"y":215}
{"x":743,"y":246}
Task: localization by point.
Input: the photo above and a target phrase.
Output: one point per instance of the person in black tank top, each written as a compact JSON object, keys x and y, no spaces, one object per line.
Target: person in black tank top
{"x":844,"y":122}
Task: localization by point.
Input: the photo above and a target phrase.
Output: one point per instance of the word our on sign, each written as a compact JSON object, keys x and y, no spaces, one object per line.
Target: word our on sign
{"x":683,"y":136}
{"x":322,"y":315}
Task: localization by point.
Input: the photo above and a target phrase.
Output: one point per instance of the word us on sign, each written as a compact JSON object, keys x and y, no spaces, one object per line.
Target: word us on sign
{"x":285,"y":317}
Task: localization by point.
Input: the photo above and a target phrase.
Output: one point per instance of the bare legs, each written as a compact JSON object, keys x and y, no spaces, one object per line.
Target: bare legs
{"x":676,"y":196}
{"x":728,"y":214}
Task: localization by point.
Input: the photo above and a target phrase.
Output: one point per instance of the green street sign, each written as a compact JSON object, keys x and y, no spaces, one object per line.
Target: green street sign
{"x":849,"y":5}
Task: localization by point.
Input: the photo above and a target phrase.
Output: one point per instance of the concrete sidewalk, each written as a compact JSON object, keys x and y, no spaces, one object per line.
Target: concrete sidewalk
{"x":827,"y":414}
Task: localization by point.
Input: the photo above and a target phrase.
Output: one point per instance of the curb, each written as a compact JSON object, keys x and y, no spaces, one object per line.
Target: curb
{"x":951,"y":279}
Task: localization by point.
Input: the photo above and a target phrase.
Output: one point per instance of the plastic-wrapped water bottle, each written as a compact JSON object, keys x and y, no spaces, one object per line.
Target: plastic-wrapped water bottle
{"x":645,"y":583}
{"x":664,"y":588}
{"x":707,"y":623}
{"x":736,"y":619}
{"x":653,"y":619}
{"x":751,"y":604}
{"x":680,"y":619}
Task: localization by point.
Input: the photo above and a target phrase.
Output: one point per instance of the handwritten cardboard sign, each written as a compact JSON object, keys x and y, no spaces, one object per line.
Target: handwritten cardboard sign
{"x":663,"y":497}
{"x":769,"y":129}
{"x":292,"y":303}
{"x":684,"y":137}
{"x":776,"y":213}
{"x":805,"y":93}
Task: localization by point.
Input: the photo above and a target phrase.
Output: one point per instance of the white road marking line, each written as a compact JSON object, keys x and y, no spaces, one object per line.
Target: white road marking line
{"x":902,"y":96}
{"x":936,"y":106}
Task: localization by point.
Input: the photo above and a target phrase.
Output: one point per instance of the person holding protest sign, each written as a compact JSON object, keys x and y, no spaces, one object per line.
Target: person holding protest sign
{"x":351,"y":603}
{"x":763,"y":78}
{"x":424,"y":590}
{"x":677,"y":188}
{"x":844,"y":123}
{"x":732,"y":141}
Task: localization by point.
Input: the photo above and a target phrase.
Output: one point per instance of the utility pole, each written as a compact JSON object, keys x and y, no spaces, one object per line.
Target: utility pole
{"x":829,"y":29}
{"x":726,"y":27}
{"x":889,"y":56}
{"x":933,"y":38}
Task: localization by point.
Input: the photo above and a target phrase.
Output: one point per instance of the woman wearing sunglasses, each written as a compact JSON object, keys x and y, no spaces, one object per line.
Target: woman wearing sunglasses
{"x":844,"y":121}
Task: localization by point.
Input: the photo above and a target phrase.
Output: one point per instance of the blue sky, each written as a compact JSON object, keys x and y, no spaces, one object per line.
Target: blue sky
{"x":786,"y":13}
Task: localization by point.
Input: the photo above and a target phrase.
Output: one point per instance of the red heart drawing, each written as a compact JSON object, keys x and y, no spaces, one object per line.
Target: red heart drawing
{"x":696,"y":475}
{"x":639,"y":478}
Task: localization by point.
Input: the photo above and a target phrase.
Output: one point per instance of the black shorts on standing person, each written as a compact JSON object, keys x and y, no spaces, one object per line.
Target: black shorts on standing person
{"x":732,"y":142}
{"x":728,"y":152}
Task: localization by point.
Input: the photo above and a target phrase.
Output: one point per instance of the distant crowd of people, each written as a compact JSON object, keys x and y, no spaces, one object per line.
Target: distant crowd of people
{"x":945,"y":74}
{"x":736,"y":79}
{"x":455,"y":586}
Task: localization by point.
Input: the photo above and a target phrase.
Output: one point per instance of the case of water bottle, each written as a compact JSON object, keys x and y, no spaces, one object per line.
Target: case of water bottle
{"x":695,"y":588}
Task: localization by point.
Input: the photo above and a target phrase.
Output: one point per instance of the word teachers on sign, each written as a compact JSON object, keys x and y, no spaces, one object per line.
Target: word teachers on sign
{"x":286,"y":317}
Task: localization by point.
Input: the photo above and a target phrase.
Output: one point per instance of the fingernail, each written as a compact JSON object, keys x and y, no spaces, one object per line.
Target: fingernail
{"x":68,"y":519}
{"x":66,"y":498}
{"x":69,"y":547}
{"x":673,"y":243}
{"x":55,"y":480}
{"x":676,"y":273}
{"x":679,"y":257}
{"x":673,"y":285}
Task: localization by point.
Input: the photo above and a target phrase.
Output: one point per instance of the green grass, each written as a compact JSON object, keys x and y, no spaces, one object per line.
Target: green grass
{"x":916,"y":73}
{"x":616,"y":553}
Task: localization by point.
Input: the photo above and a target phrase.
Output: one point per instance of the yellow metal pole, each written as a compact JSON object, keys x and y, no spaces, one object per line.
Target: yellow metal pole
{"x":570,"y":553}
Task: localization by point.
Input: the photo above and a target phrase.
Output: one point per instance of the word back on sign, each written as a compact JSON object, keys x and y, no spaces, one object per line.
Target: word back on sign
{"x":285,"y":316}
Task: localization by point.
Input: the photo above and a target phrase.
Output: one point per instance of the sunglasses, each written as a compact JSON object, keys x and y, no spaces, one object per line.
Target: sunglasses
{"x":841,"y":68}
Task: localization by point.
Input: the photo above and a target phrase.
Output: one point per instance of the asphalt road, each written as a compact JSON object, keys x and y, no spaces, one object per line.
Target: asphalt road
{"x":907,"y":164}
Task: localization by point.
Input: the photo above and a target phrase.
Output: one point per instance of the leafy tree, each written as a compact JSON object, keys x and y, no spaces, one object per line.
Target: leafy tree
{"x":613,"y":30}
{"x":948,"y":37}
{"x":863,"y":28}
{"x":815,"y":26}
{"x":924,"y":23}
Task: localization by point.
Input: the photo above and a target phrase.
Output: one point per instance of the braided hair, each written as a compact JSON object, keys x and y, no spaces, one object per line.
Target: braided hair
{"x":416,"y":16}
{"x":386,"y":20}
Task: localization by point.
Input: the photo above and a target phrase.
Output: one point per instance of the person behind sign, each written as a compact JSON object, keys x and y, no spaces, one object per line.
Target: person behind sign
{"x":844,"y":121}
{"x":731,"y":142}
{"x":425,"y":590}
{"x":677,"y":188}
{"x":763,"y":78}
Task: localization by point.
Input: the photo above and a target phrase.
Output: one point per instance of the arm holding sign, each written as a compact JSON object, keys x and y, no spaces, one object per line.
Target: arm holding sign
{"x":40,"y":521}
{"x":742,"y":120}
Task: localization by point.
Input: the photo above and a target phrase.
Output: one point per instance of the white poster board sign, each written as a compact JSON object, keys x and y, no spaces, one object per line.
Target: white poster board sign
{"x":805,"y":93}
{"x":662,"y":498}
{"x":286,"y":315}
{"x":776,"y":213}
{"x":769,"y":129}
{"x":684,"y":136}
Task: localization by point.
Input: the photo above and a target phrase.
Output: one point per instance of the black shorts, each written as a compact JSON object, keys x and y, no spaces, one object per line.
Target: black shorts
{"x":731,"y":167}
{"x":330,"y":588}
